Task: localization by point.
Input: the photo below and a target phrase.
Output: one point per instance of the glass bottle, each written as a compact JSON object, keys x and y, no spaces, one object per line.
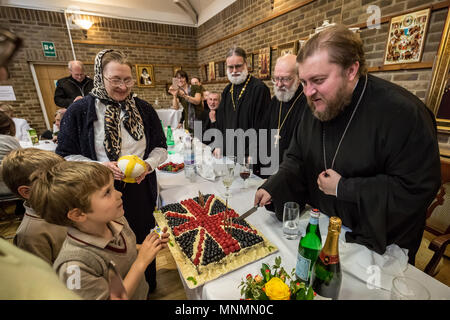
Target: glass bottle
{"x":169,"y":140}
{"x":327,"y":274}
{"x":308,"y":248}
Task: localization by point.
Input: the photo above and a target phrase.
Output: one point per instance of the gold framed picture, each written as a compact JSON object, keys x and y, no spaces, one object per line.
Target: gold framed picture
{"x":250,"y":57}
{"x":212,"y":71}
{"x":221,"y":69}
{"x":407,"y":37}
{"x":288,"y":48}
{"x":204,"y":71}
{"x":264,"y":63}
{"x":438,"y":98}
{"x":175,"y":69}
{"x":145,"y":77}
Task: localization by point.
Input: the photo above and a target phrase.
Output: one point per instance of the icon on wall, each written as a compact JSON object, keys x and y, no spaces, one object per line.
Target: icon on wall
{"x":407,"y":37}
{"x":145,"y":75}
{"x":288,"y":48}
{"x":175,"y":69}
{"x":264,"y":63}
{"x":212,"y":71}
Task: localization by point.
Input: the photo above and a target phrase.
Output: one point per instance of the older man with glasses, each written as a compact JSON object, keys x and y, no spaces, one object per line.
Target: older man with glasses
{"x":287,"y":106}
{"x":244,"y":103}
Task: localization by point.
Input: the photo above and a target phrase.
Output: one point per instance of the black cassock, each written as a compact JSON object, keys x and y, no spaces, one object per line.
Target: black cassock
{"x":288,"y":121}
{"x":251,"y":111}
{"x":388,"y":160}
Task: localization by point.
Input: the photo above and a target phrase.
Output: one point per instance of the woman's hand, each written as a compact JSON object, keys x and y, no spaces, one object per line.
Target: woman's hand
{"x":173,"y":91}
{"x":146,"y":172}
{"x":112,"y":165}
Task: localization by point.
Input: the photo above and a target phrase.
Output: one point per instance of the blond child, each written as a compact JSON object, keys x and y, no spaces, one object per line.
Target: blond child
{"x":81,"y":196}
{"x":34,"y":234}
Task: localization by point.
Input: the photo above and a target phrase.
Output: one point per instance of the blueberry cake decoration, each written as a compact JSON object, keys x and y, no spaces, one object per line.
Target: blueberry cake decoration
{"x":209,"y":240}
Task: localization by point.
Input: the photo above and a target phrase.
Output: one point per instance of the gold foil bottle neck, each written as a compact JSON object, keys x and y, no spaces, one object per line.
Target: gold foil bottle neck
{"x":335,"y":225}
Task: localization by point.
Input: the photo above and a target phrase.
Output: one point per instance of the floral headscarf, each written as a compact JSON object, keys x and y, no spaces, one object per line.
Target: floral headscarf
{"x":132,"y":120}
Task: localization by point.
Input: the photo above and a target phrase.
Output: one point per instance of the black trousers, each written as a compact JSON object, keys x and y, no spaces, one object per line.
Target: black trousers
{"x":138,"y":203}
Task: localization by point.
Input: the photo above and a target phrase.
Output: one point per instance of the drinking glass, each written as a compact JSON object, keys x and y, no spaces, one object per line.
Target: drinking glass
{"x":228,"y":177}
{"x":404,"y":288}
{"x":291,"y":223}
{"x":245,"y":170}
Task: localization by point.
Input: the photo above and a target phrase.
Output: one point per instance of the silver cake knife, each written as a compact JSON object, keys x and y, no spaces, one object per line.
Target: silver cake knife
{"x":246,"y":214}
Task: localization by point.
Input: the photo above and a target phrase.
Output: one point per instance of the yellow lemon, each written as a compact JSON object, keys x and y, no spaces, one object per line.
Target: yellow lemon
{"x":132,"y":167}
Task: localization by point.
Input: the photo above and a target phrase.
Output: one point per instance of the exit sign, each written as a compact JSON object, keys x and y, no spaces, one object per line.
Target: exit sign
{"x":49,"y":49}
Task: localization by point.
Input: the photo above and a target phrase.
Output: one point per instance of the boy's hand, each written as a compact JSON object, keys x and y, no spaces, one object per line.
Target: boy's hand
{"x":151,"y":246}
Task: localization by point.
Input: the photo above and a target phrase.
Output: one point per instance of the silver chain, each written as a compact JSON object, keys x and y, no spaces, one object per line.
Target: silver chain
{"x":345,"y":131}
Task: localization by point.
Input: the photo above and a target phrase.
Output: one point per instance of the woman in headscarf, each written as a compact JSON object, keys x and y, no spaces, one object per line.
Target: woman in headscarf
{"x":112,"y":122}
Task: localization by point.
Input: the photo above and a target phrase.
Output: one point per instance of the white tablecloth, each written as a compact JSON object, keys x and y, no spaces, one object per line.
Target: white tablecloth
{"x":175,"y":187}
{"x":43,"y":145}
{"x":170,"y":117}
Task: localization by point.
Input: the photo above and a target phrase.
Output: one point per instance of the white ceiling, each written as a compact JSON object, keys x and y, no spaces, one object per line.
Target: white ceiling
{"x":159,"y":11}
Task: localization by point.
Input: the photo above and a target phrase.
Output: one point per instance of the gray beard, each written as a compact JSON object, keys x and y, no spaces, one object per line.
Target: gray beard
{"x":285,"y":96}
{"x":239,"y":79}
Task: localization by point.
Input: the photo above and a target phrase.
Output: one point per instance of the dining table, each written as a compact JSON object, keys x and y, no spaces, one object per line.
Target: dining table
{"x":366,"y":275}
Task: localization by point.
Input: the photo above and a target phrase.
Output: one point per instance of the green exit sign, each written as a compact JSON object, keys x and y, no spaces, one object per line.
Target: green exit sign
{"x":49,"y":49}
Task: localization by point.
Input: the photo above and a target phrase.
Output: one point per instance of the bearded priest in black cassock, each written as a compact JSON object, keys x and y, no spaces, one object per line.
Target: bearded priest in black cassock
{"x":367,"y":150}
{"x":286,"y":108}
{"x":243,"y":104}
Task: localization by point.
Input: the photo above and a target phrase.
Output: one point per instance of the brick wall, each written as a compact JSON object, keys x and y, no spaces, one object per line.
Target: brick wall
{"x":300,"y":23}
{"x":192,"y":47}
{"x":132,"y":37}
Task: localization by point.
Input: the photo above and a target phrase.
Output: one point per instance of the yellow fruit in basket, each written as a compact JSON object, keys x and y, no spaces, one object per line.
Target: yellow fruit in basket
{"x":132,"y":167}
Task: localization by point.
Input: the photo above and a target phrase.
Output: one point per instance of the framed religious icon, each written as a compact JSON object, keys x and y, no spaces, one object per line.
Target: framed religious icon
{"x":264,"y":63}
{"x":288,"y":48}
{"x":221,"y":69}
{"x":204,"y":71}
{"x":175,"y":69}
{"x":212,"y":71}
{"x":145,"y":76}
{"x":250,"y":57}
{"x":438,"y":99}
{"x":407,"y":37}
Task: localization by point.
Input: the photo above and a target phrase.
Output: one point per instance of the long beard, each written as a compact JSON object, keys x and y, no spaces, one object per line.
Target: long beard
{"x":239,"y":78}
{"x":334,"y":106}
{"x":287,"y":94}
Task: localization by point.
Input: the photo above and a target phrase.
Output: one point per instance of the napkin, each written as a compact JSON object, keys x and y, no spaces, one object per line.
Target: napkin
{"x":205,"y":163}
{"x":376,"y":270}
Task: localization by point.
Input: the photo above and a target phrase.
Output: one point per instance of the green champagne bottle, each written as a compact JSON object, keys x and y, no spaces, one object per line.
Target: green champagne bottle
{"x":308,"y":248}
{"x":327,"y":274}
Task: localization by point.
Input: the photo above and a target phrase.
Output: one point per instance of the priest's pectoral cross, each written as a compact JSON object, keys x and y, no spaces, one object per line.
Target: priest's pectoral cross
{"x":277,"y":137}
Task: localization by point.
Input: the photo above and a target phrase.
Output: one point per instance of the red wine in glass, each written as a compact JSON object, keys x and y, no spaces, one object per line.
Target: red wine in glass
{"x":244,"y":175}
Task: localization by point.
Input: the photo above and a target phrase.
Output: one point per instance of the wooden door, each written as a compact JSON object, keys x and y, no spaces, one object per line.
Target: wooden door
{"x":47,"y":75}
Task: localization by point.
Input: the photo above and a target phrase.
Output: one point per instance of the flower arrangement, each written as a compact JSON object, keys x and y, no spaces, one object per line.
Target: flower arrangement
{"x":271,"y":285}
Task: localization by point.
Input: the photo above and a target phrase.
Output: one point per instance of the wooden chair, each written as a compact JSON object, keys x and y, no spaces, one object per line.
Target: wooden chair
{"x":438,"y":219}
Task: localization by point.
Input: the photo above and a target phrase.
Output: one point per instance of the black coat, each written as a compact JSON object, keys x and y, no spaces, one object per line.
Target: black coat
{"x":68,"y":89}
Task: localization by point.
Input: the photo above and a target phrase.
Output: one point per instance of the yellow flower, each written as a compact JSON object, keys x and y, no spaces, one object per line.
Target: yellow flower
{"x":276,"y":289}
{"x":258,"y":278}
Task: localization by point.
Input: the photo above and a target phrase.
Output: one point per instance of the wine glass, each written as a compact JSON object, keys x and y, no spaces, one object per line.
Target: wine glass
{"x":245,"y":170}
{"x":228,"y":177}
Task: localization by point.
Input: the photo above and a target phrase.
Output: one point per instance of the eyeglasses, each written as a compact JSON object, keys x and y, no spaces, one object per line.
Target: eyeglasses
{"x":283,"y":80}
{"x":236,"y":66}
{"x":118,"y":82}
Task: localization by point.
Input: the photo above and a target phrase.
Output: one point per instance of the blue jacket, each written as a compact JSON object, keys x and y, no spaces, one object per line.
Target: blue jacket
{"x":76,"y":135}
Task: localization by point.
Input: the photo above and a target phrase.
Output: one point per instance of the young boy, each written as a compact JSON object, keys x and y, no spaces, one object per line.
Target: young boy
{"x":34,"y":234}
{"x":81,"y":195}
